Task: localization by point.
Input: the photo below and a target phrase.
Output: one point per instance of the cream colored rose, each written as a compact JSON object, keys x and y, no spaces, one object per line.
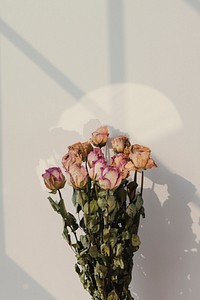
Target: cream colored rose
{"x":100,"y":136}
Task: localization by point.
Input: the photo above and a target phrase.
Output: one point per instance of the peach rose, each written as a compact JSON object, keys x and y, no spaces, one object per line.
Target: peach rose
{"x":100,"y":136}
{"x":81,"y":149}
{"x":120,"y":144}
{"x":140,"y":157}
{"x":77,"y":176}
{"x":120,"y":160}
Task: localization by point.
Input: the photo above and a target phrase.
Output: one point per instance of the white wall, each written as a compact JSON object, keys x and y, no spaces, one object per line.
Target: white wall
{"x":66,"y":67}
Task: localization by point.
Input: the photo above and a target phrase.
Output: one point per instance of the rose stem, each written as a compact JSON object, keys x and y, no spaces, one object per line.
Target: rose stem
{"x":63,"y":213}
{"x":142,"y":182}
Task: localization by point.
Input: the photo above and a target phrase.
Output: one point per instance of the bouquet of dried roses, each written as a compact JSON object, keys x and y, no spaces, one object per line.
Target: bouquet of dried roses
{"x":108,"y":204}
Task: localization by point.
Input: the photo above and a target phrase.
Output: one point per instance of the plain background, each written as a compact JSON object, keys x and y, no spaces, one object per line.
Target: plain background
{"x":67,"y":67}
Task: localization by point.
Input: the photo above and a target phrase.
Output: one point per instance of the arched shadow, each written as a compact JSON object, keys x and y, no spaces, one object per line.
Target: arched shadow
{"x":167,"y":265}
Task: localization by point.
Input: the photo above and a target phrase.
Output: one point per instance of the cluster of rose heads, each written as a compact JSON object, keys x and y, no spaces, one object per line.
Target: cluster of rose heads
{"x":87,"y":160}
{"x":109,"y":204}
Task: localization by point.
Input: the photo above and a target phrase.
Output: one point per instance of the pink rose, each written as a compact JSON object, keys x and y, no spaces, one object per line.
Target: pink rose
{"x":120,"y":144}
{"x":96,"y":170}
{"x":94,"y":155}
{"x":110,"y":178}
{"x":100,"y":136}
{"x":54,"y":178}
{"x":77,"y":176}
{"x":140,"y":157}
{"x":120,"y":160}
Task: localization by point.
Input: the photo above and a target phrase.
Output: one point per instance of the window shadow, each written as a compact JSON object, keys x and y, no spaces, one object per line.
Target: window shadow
{"x":195,"y":4}
{"x":15,"y":283}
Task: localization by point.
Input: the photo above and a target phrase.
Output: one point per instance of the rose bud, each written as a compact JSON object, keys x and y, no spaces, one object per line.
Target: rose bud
{"x":110,"y":178}
{"x":54,"y":179}
{"x":120,"y":144}
{"x":81,"y":149}
{"x":96,"y":170}
{"x":120,"y":161}
{"x":77,"y":176}
{"x":94,"y":155}
{"x":140,"y":157}
{"x":100,"y":136}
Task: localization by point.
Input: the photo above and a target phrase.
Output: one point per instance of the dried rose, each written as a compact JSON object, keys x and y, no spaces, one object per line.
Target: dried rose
{"x":110,"y":178}
{"x":81,"y":149}
{"x":120,"y":144}
{"x":96,"y":170}
{"x":140,"y":157}
{"x":77,"y":176}
{"x":94,"y":155}
{"x":70,"y":158}
{"x":100,"y":136}
{"x":54,"y":178}
{"x":120,"y":161}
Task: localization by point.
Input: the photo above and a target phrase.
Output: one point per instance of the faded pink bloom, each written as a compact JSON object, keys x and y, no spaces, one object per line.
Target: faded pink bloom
{"x":120,"y":144}
{"x":110,"y":178}
{"x":120,"y":160}
{"x":54,"y":178}
{"x":140,"y":157}
{"x":100,"y":136}
{"x":94,"y":155}
{"x":96,"y":170}
{"x":70,"y":158}
{"x":77,"y":176}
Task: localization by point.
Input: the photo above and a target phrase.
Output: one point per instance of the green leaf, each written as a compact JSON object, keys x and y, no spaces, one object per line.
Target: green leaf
{"x":102,"y":203}
{"x":113,"y":296}
{"x":118,"y":249}
{"x":85,"y":241}
{"x":125,"y":235}
{"x":102,"y":194}
{"x":55,"y":205}
{"x":93,"y":251}
{"x":135,"y":240}
{"x":100,"y":270}
{"x":70,"y":220}
{"x":77,"y":269}
{"x":67,"y":236}
{"x":131,"y":210}
{"x":105,"y":249}
{"x":122,"y":195}
{"x":139,"y":201}
{"x":111,"y":203}
{"x":93,"y":207}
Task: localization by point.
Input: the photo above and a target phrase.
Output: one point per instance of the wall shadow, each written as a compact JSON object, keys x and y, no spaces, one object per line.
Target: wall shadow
{"x":15,"y":283}
{"x":115,"y":9}
{"x":195,"y":4}
{"x":166,"y":266}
